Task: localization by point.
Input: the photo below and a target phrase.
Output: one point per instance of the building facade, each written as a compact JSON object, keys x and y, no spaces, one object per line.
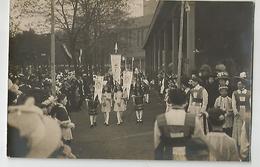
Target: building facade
{"x":131,"y":39}
{"x":213,"y":32}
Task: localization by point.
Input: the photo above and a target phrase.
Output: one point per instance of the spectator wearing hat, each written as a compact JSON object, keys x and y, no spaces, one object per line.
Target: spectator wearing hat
{"x":47,"y":105}
{"x":174,"y":128}
{"x":198,"y":102}
{"x":92,"y":107}
{"x":224,"y":103}
{"x":223,"y":80}
{"x":30,"y":133}
{"x":241,"y":104}
{"x":60,"y":112}
{"x":224,"y":146}
{"x":212,"y":88}
{"x":204,"y":73}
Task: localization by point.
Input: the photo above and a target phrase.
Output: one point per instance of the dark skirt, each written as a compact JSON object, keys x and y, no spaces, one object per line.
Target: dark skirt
{"x":139,"y":103}
{"x":139,"y":107}
{"x":92,"y":112}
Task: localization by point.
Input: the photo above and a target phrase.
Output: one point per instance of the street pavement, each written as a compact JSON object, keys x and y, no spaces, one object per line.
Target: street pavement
{"x":127,"y":141}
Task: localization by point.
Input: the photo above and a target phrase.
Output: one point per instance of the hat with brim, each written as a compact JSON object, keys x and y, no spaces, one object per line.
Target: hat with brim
{"x":220,"y":67}
{"x":43,"y":133}
{"x":242,"y":77}
{"x":222,"y":75}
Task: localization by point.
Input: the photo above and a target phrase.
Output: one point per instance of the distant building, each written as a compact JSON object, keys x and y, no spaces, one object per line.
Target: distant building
{"x":134,"y":33}
{"x":149,"y":7}
{"x":133,"y":38}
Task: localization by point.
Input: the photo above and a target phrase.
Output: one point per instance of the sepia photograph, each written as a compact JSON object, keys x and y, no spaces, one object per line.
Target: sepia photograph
{"x":130,"y":80}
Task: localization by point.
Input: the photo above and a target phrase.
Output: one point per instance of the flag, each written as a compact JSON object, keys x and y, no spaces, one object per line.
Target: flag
{"x":116,"y":67}
{"x":66,"y":50}
{"x":127,"y":81}
{"x":80,"y":56}
{"x":98,"y":87}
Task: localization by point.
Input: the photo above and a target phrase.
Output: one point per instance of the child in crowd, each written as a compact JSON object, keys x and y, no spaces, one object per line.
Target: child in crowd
{"x":222,"y":145}
{"x":138,"y":100}
{"x":60,"y":112}
{"x":106,"y":104}
{"x":92,"y":106}
{"x":119,"y":103}
{"x":224,"y":103}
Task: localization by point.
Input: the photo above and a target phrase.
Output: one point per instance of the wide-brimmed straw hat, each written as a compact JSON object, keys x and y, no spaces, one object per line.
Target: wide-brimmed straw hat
{"x":43,"y":133}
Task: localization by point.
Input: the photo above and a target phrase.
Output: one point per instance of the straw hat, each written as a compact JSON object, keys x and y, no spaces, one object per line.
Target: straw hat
{"x":42,"y":132}
{"x":222,"y":75}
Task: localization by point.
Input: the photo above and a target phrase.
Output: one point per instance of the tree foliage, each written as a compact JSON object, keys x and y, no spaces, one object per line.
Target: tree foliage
{"x":87,"y":24}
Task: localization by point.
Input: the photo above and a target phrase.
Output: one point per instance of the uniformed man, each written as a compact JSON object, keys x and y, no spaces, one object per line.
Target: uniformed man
{"x":198,"y":102}
{"x":174,"y":128}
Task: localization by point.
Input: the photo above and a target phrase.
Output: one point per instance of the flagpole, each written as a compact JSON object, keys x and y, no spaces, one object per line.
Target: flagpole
{"x":180,"y":46}
{"x":53,"y":50}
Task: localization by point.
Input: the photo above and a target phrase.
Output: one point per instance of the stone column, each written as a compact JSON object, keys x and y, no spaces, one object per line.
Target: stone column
{"x":159,"y":51}
{"x":154,"y":54}
{"x":174,"y":39}
{"x":165,"y":48}
{"x":191,"y":38}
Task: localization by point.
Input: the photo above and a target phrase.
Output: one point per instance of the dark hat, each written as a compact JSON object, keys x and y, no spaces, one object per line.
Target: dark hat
{"x":177,"y":97}
{"x":220,"y":67}
{"x":205,"y":67}
{"x":196,"y":79}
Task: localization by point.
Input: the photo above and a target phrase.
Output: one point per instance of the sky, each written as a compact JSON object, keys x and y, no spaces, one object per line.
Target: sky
{"x":136,"y":8}
{"x":37,"y":22}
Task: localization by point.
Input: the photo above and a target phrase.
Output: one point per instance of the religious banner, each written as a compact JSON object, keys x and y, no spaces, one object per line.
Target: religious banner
{"x":98,"y":87}
{"x":127,"y":81}
{"x":116,"y":67}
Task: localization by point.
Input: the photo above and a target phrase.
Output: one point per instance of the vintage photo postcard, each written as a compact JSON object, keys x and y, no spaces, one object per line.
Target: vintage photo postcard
{"x":130,"y":79}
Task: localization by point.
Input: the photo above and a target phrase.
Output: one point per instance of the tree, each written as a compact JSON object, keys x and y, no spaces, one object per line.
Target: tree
{"x":87,"y":24}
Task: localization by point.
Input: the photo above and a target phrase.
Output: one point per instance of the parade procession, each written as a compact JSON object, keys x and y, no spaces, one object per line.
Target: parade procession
{"x":188,"y":97}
